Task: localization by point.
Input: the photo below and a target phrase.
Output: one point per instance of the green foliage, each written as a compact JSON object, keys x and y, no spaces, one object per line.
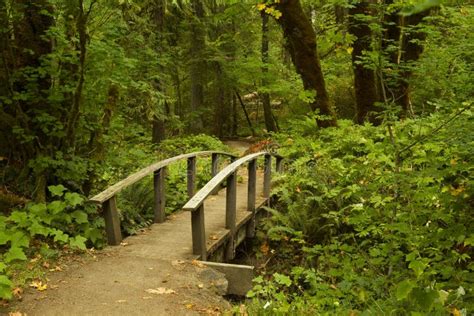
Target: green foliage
{"x":66,"y":221}
{"x":136,"y":202}
{"x":374,"y":223}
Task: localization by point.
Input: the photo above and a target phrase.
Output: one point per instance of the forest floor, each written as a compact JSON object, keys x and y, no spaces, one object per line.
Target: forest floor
{"x":138,"y":277}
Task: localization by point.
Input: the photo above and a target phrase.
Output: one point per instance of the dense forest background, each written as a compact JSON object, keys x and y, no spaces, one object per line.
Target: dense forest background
{"x":369,"y":101}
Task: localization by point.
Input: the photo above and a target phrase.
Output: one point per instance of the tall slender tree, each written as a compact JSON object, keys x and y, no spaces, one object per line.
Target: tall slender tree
{"x":364,"y":76}
{"x":267,"y":109}
{"x":301,"y":43}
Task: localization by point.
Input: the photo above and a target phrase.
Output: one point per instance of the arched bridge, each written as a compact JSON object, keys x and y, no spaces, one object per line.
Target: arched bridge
{"x":213,"y":222}
{"x":154,"y":272}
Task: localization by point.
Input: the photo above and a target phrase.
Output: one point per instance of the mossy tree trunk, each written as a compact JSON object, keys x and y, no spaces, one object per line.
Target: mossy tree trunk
{"x":364,"y":76}
{"x":301,"y":40}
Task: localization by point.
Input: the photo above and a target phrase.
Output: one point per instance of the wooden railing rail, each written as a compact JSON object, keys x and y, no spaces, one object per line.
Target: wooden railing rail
{"x":229,"y":174}
{"x":107,"y":198}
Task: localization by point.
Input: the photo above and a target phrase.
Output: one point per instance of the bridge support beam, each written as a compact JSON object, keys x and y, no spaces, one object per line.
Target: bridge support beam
{"x":160,"y":194}
{"x":199,"y":232}
{"x":112,"y":222}
{"x":191,"y":176}
{"x":215,"y":169}
{"x":267,"y":176}
{"x":230,"y":213}
{"x":251,"y":195}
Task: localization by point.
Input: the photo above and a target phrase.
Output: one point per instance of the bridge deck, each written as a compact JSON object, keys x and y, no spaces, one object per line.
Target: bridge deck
{"x":116,"y":282}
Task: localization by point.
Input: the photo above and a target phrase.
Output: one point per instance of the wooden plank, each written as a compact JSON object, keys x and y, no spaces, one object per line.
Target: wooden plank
{"x":267,"y":176}
{"x":199,"y":233}
{"x":202,"y":194}
{"x":114,"y":189}
{"x":215,"y":169}
{"x":112,"y":222}
{"x":160,"y":195}
{"x":279,"y":164}
{"x":230,"y":213}
{"x":251,"y":195}
{"x":191,"y":176}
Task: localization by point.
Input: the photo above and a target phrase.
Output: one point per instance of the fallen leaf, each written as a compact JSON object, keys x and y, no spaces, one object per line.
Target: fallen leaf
{"x":17,"y":292}
{"x":38,"y":285}
{"x":265,"y":248}
{"x":46,"y":265}
{"x":213,"y":237}
{"x":161,"y":291}
{"x":200,"y":285}
{"x":177,"y":262}
{"x":189,"y":306}
{"x":147,"y":297}
{"x":121,"y":301}
{"x":197,"y":263}
{"x":124,"y":244}
{"x":16,"y":314}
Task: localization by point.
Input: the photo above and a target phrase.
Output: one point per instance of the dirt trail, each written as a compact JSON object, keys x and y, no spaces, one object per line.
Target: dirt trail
{"x":152,"y":273}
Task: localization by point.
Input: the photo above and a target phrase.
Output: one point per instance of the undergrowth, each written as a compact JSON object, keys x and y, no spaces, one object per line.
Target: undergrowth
{"x":373,"y":220}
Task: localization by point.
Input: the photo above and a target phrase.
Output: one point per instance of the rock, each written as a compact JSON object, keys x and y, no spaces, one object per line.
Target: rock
{"x":214,"y":280}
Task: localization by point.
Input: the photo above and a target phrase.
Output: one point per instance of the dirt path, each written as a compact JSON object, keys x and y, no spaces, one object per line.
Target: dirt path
{"x":152,"y":273}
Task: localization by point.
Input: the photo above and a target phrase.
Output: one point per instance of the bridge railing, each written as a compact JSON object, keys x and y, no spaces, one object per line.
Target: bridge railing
{"x":229,"y":174}
{"x":107,"y":198}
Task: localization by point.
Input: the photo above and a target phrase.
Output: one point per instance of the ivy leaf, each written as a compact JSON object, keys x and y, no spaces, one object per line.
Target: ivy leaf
{"x":19,"y":239}
{"x":5,"y":287}
{"x":56,"y":190}
{"x":3,"y":266}
{"x":3,"y":238}
{"x":60,"y":236}
{"x":80,"y":217}
{"x":282,"y":279}
{"x":38,"y":209}
{"x":56,"y":207}
{"x":78,"y":242}
{"x":404,"y":288}
{"x":38,"y":229}
{"x":73,"y":199}
{"x":15,"y":253}
{"x":21,"y":218}
{"x":418,"y":267}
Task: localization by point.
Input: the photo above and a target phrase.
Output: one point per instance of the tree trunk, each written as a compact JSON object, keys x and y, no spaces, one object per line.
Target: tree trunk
{"x":74,"y":113}
{"x":159,"y":121}
{"x":29,"y":47}
{"x":412,"y":48}
{"x":267,"y":109}
{"x":402,"y":45}
{"x":197,"y":65}
{"x":364,"y":77}
{"x":301,"y":41}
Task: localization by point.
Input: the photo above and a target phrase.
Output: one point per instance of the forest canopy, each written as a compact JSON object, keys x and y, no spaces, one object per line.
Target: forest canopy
{"x":370,"y":103}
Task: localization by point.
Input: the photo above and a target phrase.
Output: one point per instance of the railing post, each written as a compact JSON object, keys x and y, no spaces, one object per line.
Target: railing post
{"x":199,"y":232}
{"x":251,"y":195}
{"x":215,"y":169}
{"x":112,"y":222}
{"x":191,"y":176}
{"x":267,"y":176}
{"x":279,"y":165}
{"x":230,"y":213}
{"x":160,"y":195}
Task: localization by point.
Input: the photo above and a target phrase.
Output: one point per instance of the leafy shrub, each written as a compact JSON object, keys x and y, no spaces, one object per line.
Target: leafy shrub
{"x":375,"y":222}
{"x":67,"y":220}
{"x":136,"y":202}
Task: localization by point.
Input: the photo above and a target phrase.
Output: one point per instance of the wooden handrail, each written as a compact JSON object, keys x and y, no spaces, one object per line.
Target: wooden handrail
{"x":119,"y":186}
{"x":229,"y":174}
{"x":158,"y":169}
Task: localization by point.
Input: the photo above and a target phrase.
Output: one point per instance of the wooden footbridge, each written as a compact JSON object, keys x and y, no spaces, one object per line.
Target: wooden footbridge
{"x":214,"y":221}
{"x":154,"y":272}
